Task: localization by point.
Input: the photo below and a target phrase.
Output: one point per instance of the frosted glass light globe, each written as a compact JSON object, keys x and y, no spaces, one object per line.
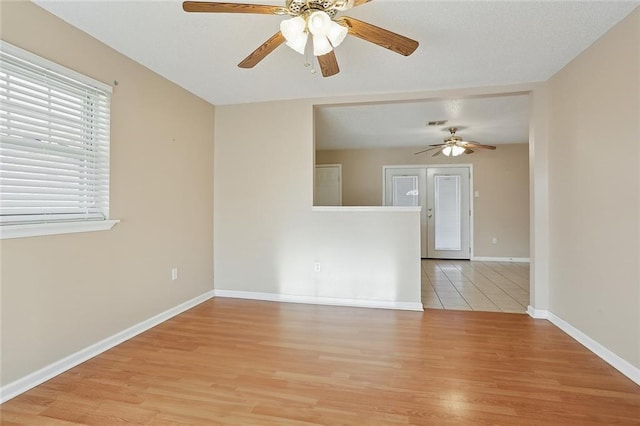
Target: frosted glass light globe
{"x":321,"y":45}
{"x":293,"y":30}
{"x":457,"y":150}
{"x":319,"y":23}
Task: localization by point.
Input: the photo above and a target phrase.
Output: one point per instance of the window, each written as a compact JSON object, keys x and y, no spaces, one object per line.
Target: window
{"x":54,"y":147}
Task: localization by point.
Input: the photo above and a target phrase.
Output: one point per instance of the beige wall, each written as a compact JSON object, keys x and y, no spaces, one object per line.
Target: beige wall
{"x":268,"y":238}
{"x":594,"y":191}
{"x":501,"y":177}
{"x":63,"y":293}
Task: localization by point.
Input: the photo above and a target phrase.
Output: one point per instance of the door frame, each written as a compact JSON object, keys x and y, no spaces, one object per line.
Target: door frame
{"x":339,"y":166}
{"x":427,"y":166}
{"x":422,"y":187}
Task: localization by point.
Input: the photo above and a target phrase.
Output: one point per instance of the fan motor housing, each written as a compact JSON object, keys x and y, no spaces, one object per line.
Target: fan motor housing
{"x":298,"y":7}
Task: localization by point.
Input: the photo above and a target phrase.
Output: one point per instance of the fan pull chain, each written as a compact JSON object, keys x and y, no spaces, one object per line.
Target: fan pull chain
{"x":308,"y":59}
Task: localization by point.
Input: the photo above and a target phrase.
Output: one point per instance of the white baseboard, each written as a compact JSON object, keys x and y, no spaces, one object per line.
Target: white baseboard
{"x":500,"y":259}
{"x":620,"y":364}
{"x":23,"y":384}
{"x":537,"y":313}
{"x":358,"y":303}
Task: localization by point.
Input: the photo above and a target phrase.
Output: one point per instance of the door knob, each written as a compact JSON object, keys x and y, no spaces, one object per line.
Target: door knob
{"x":430,"y":215}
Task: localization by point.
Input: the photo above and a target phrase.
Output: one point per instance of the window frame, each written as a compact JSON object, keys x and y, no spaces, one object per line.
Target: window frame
{"x":41,"y":225}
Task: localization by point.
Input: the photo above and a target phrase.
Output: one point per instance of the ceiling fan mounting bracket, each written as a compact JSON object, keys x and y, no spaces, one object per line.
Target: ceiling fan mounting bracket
{"x":306,"y":7}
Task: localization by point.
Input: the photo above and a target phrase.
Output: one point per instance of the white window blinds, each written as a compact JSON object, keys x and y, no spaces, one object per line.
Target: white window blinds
{"x":54,"y":142}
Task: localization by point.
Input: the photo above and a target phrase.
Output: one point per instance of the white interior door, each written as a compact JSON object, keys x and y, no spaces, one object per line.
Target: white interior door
{"x":328,"y":185}
{"x":407,"y":187}
{"x":448,"y":212}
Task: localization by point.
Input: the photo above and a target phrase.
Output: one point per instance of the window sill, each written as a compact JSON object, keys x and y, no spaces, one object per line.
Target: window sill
{"x":54,"y":228}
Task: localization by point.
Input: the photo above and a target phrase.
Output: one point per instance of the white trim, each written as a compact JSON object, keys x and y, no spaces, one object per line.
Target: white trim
{"x":472,"y":213}
{"x":54,"y":228}
{"x":289,"y":298}
{"x":537,"y":313}
{"x":25,"y":383}
{"x":500,"y":259}
{"x":620,"y":364}
{"x":374,"y":209}
{"x":418,"y":166}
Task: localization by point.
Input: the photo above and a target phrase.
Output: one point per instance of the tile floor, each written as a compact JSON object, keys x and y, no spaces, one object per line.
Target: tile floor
{"x":475,"y":286}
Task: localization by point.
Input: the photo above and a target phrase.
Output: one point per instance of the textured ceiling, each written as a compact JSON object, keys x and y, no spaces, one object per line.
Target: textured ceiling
{"x":489,"y":120}
{"x":462,"y":44}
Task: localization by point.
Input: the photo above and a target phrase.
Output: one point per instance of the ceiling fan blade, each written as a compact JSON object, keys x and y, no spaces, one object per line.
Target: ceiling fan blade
{"x":468,"y":151}
{"x":385,"y":38}
{"x":438,"y":144}
{"x":360,"y":2}
{"x":437,"y":153}
{"x":328,"y":64}
{"x":261,"y":52}
{"x":479,"y":145}
{"x":215,"y":7}
{"x":425,"y":150}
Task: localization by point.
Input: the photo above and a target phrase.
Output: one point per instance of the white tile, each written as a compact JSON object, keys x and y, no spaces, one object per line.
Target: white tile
{"x":488,"y":286}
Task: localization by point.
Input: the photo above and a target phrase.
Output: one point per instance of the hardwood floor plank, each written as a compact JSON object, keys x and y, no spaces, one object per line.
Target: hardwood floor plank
{"x":239,"y":362}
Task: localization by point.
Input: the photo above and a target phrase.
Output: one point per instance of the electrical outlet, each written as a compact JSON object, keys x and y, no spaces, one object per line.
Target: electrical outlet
{"x":316,"y":266}
{"x":494,"y":240}
{"x":174,"y":274}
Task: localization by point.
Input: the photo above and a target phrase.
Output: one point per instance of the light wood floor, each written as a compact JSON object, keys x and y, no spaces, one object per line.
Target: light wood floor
{"x":475,"y":286}
{"x":241,"y":362}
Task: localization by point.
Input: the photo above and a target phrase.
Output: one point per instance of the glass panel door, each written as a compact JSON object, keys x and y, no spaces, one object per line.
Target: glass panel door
{"x":447,"y":213}
{"x":405,"y":191}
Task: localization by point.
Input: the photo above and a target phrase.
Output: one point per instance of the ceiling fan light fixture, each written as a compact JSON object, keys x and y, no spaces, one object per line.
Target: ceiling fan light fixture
{"x":337,"y":33}
{"x":293,"y":30}
{"x":327,"y":33}
{"x":319,"y":23}
{"x":321,"y":45}
{"x":457,"y":150}
{"x":299,"y":43}
{"x":453,"y":150}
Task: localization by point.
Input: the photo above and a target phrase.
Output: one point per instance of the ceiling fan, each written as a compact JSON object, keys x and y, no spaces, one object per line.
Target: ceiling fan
{"x":315,"y":17}
{"x":454,"y":145}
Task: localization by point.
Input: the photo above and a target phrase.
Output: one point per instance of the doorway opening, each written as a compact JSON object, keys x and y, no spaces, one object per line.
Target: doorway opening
{"x":444,"y":193}
{"x":502,"y":198}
